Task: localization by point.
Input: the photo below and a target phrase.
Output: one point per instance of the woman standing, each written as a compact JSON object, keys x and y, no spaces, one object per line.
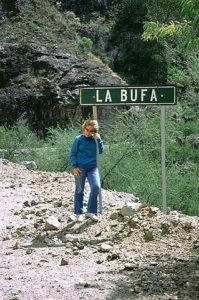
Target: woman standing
{"x":83,"y":159}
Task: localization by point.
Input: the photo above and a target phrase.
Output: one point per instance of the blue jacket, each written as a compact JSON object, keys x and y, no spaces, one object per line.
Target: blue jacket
{"x":83,"y":153}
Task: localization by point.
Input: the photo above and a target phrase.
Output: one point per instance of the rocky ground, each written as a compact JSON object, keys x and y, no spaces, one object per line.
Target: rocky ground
{"x":133,"y":252}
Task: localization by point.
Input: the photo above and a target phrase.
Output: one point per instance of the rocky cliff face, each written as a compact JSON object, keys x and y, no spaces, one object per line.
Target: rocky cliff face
{"x":42,"y":85}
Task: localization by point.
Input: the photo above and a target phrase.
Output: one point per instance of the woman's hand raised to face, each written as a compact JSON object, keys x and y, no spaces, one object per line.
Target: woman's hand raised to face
{"x":96,"y":136}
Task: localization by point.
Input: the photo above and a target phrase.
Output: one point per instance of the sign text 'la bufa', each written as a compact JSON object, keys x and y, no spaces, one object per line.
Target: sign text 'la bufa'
{"x":127,"y":95}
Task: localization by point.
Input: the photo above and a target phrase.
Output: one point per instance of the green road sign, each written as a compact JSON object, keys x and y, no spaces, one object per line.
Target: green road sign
{"x":127,"y":95}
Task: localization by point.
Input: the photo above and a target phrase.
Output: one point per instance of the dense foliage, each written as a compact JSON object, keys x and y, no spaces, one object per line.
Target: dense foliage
{"x":133,"y":166}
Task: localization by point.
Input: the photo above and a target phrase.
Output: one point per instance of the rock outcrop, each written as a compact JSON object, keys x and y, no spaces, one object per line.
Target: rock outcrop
{"x":42,"y":85}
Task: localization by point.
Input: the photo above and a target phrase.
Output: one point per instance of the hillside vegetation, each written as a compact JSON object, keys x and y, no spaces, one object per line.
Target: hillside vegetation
{"x":133,"y":166}
{"x":145,"y":42}
{"x":41,"y":23}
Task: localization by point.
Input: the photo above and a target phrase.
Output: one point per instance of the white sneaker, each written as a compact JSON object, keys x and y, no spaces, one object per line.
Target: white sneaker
{"x":79,"y":218}
{"x":92,"y":217}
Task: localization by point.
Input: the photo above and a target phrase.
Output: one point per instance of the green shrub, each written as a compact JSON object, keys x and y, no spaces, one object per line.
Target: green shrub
{"x":134,"y":174}
{"x":131,"y":161}
{"x":178,"y":77}
{"x":85,"y":44}
{"x":55,"y":156}
{"x":183,"y":187}
{"x":190,"y":128}
{"x":18,"y":137}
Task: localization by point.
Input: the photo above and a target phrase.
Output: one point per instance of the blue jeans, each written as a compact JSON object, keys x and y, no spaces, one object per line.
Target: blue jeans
{"x":94,"y":181}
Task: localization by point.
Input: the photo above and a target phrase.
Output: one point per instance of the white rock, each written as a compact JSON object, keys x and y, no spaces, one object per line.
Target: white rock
{"x":30,"y":165}
{"x":52,"y":223}
{"x":130,"y":208}
{"x":105,"y":247}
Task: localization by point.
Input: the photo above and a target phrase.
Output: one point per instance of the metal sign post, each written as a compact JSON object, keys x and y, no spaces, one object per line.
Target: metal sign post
{"x":94,"y":112}
{"x":98,"y":164}
{"x":134,"y":95}
{"x":162,"y":128}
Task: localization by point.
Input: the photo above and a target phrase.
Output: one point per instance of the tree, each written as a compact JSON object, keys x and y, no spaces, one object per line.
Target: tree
{"x":136,"y":60}
{"x":185,"y":26}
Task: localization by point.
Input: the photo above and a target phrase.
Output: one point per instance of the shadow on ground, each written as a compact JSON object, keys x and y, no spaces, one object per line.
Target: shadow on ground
{"x":173,"y":280}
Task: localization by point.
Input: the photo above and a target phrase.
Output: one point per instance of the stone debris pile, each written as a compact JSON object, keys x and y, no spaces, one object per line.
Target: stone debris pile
{"x":135,"y":251}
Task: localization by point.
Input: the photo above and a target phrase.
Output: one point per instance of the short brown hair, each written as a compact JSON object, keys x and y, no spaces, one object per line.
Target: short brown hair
{"x":93,"y":123}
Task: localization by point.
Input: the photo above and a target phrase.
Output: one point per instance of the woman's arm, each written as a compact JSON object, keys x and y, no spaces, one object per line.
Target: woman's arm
{"x":73,"y":153}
